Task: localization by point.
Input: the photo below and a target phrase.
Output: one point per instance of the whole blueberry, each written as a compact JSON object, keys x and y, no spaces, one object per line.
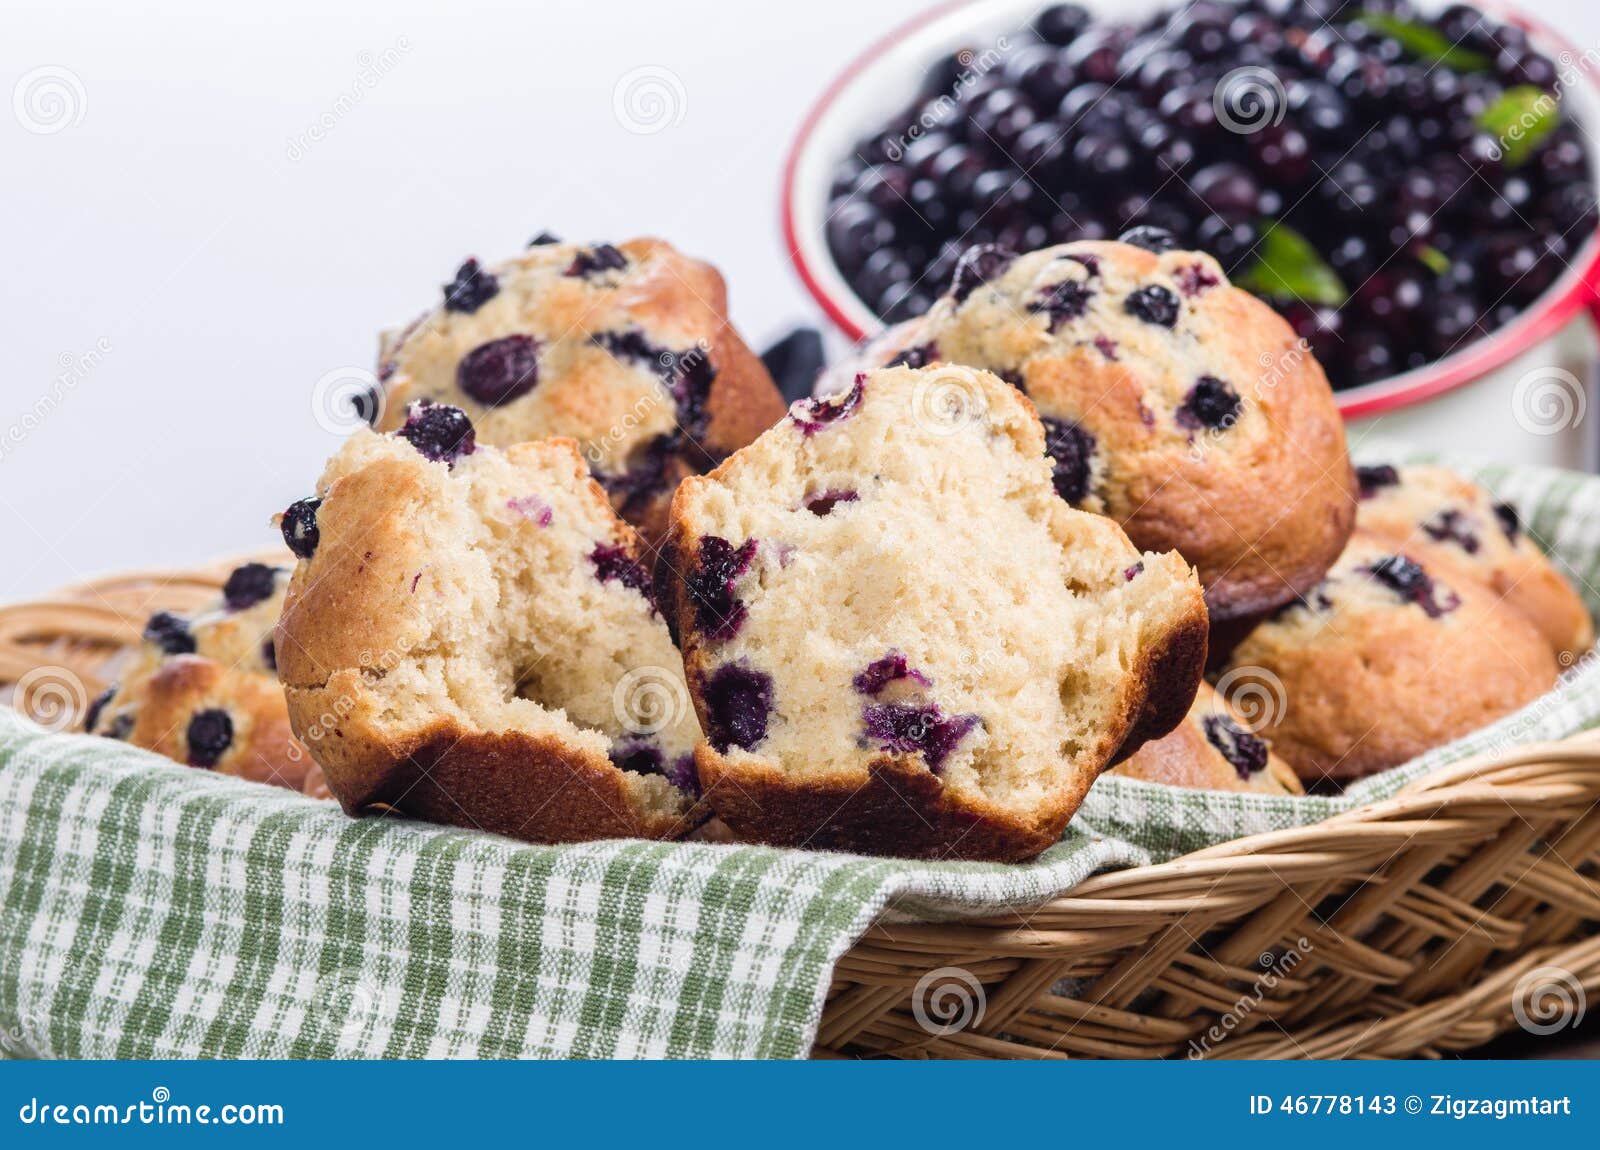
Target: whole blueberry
{"x":738,"y":702}
{"x":600,"y":258}
{"x":170,"y":632}
{"x":500,"y":370}
{"x":1153,"y":304}
{"x":440,"y":432}
{"x":1210,"y":403}
{"x":299,"y":526}
{"x":210,"y":734}
{"x":1151,"y":239}
{"x":249,"y":585}
{"x":471,"y":288}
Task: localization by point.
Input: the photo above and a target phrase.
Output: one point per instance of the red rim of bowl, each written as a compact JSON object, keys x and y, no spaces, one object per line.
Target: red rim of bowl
{"x":1543,"y":318}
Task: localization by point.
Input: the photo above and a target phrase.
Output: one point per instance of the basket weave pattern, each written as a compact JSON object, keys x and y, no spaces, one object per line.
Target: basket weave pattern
{"x":1421,"y":925}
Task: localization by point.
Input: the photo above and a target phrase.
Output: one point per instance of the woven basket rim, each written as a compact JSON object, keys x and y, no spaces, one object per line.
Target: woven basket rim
{"x":1407,"y":964}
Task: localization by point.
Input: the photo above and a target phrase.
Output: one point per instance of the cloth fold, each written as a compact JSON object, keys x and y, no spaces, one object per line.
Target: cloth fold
{"x":149,"y":910}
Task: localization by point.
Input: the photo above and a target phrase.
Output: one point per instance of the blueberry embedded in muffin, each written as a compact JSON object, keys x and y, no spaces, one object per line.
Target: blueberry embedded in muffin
{"x":1387,"y":658}
{"x":938,"y":667}
{"x":1213,"y":749}
{"x":1213,"y":429}
{"x":625,"y":348}
{"x":1453,"y":525}
{"x":202,"y":689}
{"x":474,"y":642}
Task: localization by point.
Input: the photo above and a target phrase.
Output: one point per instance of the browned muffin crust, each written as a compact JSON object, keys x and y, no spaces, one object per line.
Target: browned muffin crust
{"x":626,"y":349}
{"x":1180,"y":406}
{"x":456,"y":644}
{"x":817,"y":784}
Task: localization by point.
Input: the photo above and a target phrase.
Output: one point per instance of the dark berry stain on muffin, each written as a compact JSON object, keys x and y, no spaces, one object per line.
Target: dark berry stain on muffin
{"x":614,"y":563}
{"x":824,"y":503}
{"x":440,"y":432}
{"x":1106,"y":346}
{"x":471,"y":289}
{"x":1451,"y":526}
{"x":1071,"y":451}
{"x":1150,"y":238}
{"x":812,"y":415}
{"x":368,"y":404}
{"x":1246,"y":752}
{"x":209,"y":736}
{"x":600,"y":258}
{"x":121,"y":727}
{"x":738,"y":706}
{"x":718,"y":613}
{"x":500,"y":370}
{"x":1153,"y":304}
{"x":1129,"y":574}
{"x":916,"y":728}
{"x":269,"y":654}
{"x":682,"y":774}
{"x":1196,"y":278}
{"x":639,"y":755}
{"x":892,"y":668}
{"x":299,"y":527}
{"x":544,"y":239}
{"x":1374,"y":477}
{"x":919,"y":356}
{"x":1063,"y":302}
{"x":687,"y":375}
{"x":1210,"y":403}
{"x":97,"y":705}
{"x":533,"y":509}
{"x":644,"y":478}
{"x":249,"y":585}
{"x":170,"y":632}
{"x":978,"y":265}
{"x":1510,"y":523}
{"x":1406,"y":578}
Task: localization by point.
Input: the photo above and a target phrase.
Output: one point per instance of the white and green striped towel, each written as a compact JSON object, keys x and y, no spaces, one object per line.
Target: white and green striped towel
{"x":149,"y":910}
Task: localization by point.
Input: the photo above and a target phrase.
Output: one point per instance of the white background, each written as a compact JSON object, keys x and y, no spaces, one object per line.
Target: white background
{"x":226,"y":262}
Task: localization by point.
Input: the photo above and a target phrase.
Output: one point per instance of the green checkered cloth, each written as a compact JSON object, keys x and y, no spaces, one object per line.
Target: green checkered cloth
{"x":148,"y":910}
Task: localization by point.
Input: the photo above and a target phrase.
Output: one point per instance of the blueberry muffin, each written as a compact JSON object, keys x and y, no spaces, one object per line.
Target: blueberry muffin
{"x":1178,"y":405}
{"x":1213,"y":749}
{"x":900,"y":640}
{"x":204,"y":690}
{"x":1444,"y":519}
{"x":1389,"y":657}
{"x":469,"y":638}
{"x":627,"y":349}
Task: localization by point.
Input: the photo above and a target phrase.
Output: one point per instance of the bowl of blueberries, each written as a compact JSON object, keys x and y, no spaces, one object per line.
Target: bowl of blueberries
{"x":1409,"y":184}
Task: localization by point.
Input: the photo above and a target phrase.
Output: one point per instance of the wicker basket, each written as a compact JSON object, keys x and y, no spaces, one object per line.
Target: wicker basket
{"x":1424,"y":924}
